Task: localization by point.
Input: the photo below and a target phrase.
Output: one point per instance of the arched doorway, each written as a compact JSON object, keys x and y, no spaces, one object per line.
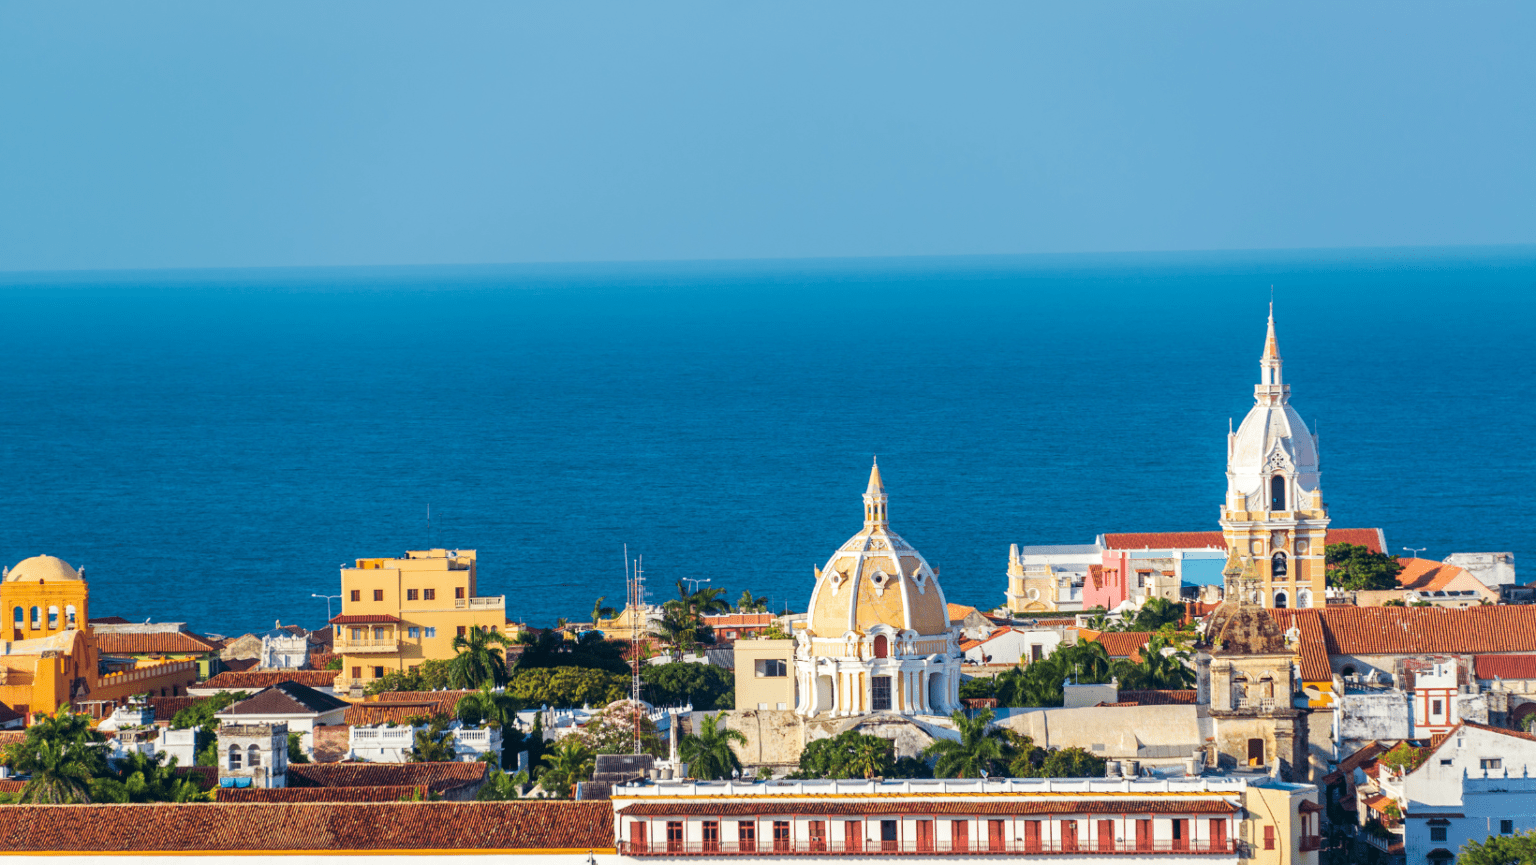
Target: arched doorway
{"x":882,"y":647}
{"x":937,"y":686}
{"x":1281,"y":600}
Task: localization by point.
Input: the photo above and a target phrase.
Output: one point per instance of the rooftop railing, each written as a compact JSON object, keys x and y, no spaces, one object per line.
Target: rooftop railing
{"x":938,"y":847}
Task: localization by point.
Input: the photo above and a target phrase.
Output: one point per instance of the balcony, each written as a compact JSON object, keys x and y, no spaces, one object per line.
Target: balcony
{"x":497,"y":603}
{"x":939,"y":847}
{"x":1311,"y":842}
{"x":368,"y":645}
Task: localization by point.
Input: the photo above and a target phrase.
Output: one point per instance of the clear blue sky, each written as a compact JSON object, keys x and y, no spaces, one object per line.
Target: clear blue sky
{"x":197,"y":134}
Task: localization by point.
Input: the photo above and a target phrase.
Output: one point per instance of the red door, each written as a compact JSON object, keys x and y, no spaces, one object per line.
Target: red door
{"x":1143,"y":835}
{"x":1218,"y":834}
{"x":746,"y":836}
{"x":853,"y":836}
{"x":1031,"y":836}
{"x":960,"y":836}
{"x":637,"y":836}
{"x":995,"y":840}
{"x":1069,"y":836}
{"x":818,"y":835}
{"x":1106,"y":839}
{"x":925,"y":836}
{"x":1181,"y":834}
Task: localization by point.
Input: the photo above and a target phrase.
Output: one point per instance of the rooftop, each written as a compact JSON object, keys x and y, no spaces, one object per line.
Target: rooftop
{"x":284,"y":698}
{"x":166,"y":643}
{"x":255,"y":680}
{"x":1348,"y":630}
{"x":1371,"y":539}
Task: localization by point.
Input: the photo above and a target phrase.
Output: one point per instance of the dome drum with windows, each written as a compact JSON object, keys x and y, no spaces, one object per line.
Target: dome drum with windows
{"x":877,"y":637}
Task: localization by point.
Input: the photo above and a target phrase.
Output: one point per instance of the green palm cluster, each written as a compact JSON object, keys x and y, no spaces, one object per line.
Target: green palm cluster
{"x":565,"y":765}
{"x":984,"y":750}
{"x":478,"y":659}
{"x":67,"y":761}
{"x":708,"y":753}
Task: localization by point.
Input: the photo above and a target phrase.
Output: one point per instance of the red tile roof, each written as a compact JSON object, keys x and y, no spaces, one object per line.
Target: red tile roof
{"x":437,"y":776}
{"x":1118,"y":644}
{"x":177,"y":643}
{"x":285,"y":698}
{"x":1313,"y":642}
{"x":715,"y":807}
{"x":1426,"y":575}
{"x":365,"y":619}
{"x":1371,"y":539}
{"x":369,"y":714}
{"x":318,"y":794}
{"x":1158,"y":698}
{"x":328,"y":827}
{"x":1505,"y":666}
{"x":1416,"y":630}
{"x":255,"y":680}
{"x":167,"y":707}
{"x":422,"y":696}
{"x":1514,"y":734}
{"x":740,"y":620}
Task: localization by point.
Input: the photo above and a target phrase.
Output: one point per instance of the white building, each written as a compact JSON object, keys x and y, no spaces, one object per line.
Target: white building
{"x":878,"y":635}
{"x":1490,"y":569}
{"x":382,"y":743}
{"x":284,"y":648}
{"x":301,"y":708}
{"x":1013,"y":645}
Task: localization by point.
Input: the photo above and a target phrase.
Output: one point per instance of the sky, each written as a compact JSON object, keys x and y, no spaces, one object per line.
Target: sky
{"x":196,"y":134}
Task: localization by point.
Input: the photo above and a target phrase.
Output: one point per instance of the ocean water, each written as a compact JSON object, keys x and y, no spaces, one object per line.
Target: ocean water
{"x":213,"y":445}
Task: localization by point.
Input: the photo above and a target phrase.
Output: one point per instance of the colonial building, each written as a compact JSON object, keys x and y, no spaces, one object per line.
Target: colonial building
{"x":396,"y":613}
{"x":1274,"y":511}
{"x":878,"y":636}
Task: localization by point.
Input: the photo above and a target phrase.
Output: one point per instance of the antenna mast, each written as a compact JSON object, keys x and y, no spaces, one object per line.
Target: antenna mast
{"x":636,"y":586}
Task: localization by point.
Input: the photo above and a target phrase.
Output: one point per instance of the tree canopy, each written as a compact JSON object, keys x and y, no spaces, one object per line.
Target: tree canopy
{"x":568,"y":687}
{"x":479,"y":660}
{"x":1357,"y":568}
{"x":612,"y":731}
{"x":1500,"y":850}
{"x":706,"y":686}
{"x":708,"y":752}
{"x":848,"y":755}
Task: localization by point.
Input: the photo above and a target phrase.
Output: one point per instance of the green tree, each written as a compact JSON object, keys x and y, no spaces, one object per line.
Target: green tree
{"x":478,"y":660}
{"x":63,"y":755}
{"x":600,"y":612}
{"x":430,"y":675}
{"x":845,"y":756}
{"x":708,"y":753}
{"x":1404,"y":757}
{"x":706,"y":686}
{"x":971,"y":756}
{"x":296,"y":748}
{"x":703,"y":602}
{"x":1164,"y":665}
{"x":612,"y":731}
{"x":1500,"y":850}
{"x":140,"y":777}
{"x":1357,"y":568}
{"x":568,"y":687}
{"x":1070,"y":763}
{"x":911,"y":767}
{"x":1155,"y":614}
{"x":679,"y":627}
{"x":748,"y":604}
{"x":489,"y":708}
{"x":591,"y":650}
{"x":567,"y":764}
{"x":334,"y":663}
{"x":502,"y":787}
{"x":433,"y":743}
{"x":1040,"y":683}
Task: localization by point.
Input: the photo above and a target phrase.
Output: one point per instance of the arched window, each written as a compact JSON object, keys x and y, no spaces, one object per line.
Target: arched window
{"x":53,"y":618}
{"x":69,"y":616}
{"x":1277,"y":493}
{"x":37,"y":618}
{"x":1304,"y":599}
{"x":1281,"y":601}
{"x":234,"y":756}
{"x":882,"y":647}
{"x":254,"y":756}
{"x":21,"y":617}
{"x":1277,"y":565}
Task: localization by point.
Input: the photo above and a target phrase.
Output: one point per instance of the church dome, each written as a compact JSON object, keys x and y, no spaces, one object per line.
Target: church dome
{"x":47,"y":569}
{"x":1272,"y":443}
{"x":876,"y":578}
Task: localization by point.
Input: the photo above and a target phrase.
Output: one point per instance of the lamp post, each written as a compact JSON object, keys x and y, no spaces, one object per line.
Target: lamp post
{"x":1415,"y":550}
{"x":328,"y":615}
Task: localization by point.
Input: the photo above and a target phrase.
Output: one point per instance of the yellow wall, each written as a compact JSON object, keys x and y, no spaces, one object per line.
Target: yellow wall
{"x":1279,"y":806}
{"x":753,"y":691}
{"x":448,"y":575}
{"x":58,"y":594}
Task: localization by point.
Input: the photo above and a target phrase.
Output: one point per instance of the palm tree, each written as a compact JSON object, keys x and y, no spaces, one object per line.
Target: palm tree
{"x":478,"y":661}
{"x":501,"y":787}
{"x":63,"y":755}
{"x":492,"y":708}
{"x":679,"y":626}
{"x":434,"y":744}
{"x":870,"y":756}
{"x":972,"y":755}
{"x":600,"y":612}
{"x":748,"y":604}
{"x":568,"y":763}
{"x":708,"y":754}
{"x":141,"y":777}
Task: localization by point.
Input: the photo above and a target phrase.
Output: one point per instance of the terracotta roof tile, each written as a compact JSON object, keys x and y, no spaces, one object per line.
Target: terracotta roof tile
{"x":1312,"y":644}
{"x":177,"y":643}
{"x":715,"y":807}
{"x":369,"y":714}
{"x":1505,"y":666}
{"x":1417,"y":630}
{"x":167,"y":707}
{"x":1118,"y":644}
{"x":365,"y":619}
{"x":437,"y":776}
{"x":740,"y":620}
{"x":255,"y":680}
{"x":1159,"y":698}
{"x":1426,"y":575}
{"x":317,"y":794}
{"x":1368,"y":538}
{"x":330,"y":827}
{"x":959,"y":611}
{"x":285,"y":698}
{"x":422,"y":696}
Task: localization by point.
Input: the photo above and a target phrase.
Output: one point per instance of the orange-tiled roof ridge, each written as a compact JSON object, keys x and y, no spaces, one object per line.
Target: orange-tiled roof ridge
{"x":310,"y":826}
{"x":1118,"y":644}
{"x":370,"y":714}
{"x":739,"y":619}
{"x":437,"y":776}
{"x":1351,"y":630}
{"x":285,"y":698}
{"x":419,"y":696}
{"x":177,"y":642}
{"x":1372,"y":539}
{"x":317,"y":794}
{"x":958,"y":611}
{"x":1505,"y":666}
{"x":1426,"y":575}
{"x":1159,"y":697}
{"x":1516,"y":734}
{"x":255,"y":680}
{"x":713,"y":807}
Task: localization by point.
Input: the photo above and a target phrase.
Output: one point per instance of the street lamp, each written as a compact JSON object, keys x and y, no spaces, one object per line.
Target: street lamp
{"x":1415,"y":550}
{"x":696,"y":582}
{"x":328,"y":616}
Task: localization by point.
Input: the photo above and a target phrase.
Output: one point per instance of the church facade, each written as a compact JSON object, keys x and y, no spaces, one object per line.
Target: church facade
{"x":877,"y":637}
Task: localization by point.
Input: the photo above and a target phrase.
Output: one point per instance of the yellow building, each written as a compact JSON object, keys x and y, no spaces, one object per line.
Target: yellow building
{"x":1284,"y":823}
{"x":1274,"y":513}
{"x":49,"y":654}
{"x":765,"y":674}
{"x":396,"y":613}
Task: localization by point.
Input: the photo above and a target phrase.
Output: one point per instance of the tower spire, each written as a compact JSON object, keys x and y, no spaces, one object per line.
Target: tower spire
{"x":874,"y":499}
{"x":1269,"y":364}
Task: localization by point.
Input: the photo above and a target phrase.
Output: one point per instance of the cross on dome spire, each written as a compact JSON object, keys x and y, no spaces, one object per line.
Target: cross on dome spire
{"x":875,"y":499}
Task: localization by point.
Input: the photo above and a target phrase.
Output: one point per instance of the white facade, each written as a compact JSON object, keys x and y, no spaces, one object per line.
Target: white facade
{"x":1490,"y":569}
{"x":304,"y":724}
{"x":385,"y":744}
{"x":1015,"y":645}
{"x":282,"y":650}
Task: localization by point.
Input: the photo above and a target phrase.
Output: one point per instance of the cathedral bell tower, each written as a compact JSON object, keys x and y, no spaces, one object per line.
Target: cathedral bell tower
{"x":1274,"y":515}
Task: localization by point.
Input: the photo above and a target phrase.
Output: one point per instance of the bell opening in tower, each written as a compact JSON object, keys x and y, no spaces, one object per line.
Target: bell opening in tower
{"x":1277,"y":568}
{"x":1277,"y":493}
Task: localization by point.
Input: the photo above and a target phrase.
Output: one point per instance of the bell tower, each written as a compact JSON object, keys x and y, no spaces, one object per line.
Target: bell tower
{"x":1274,"y":514}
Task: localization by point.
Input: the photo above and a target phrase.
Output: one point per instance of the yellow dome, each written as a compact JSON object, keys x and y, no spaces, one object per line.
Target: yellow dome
{"x":876,"y":578}
{"x":48,"y":569}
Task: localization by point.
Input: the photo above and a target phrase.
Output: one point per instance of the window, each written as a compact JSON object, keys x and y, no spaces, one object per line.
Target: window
{"x":888,"y":835}
{"x":711,"y":836}
{"x":1435,"y":709}
{"x":1269,"y":837}
{"x":1506,"y":827}
{"x":410,"y":594}
{"x":37,"y":618}
{"x":69,"y":616}
{"x":429,"y":632}
{"x":234,"y":756}
{"x":1277,"y":493}
{"x":1446,"y":762}
{"x":781,"y":837}
{"x":357,"y":634}
{"x":53,"y":618}
{"x":378,"y":594}
{"x":1036,"y":652}
{"x":253,"y":757}
{"x":458,"y":592}
{"x":357,"y":672}
{"x":882,"y":647}
{"x":746,"y":836}
{"x":357,"y":594}
{"x":413,"y":633}
{"x":463,"y":630}
{"x":429,"y":594}
{"x":880,"y":693}
{"x":674,"y":836}
{"x":772,"y":668}
{"x":1492,"y":763}
{"x":381,"y":634}
{"x":1437,"y":833}
{"x":378,"y":672}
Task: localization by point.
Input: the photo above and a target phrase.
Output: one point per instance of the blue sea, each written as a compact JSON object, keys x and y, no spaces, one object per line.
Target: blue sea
{"x":213,"y":445}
